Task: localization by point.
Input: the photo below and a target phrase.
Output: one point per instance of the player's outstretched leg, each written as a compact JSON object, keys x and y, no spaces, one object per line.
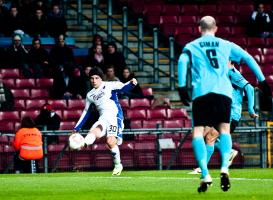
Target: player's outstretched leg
{"x":225,"y":183}
{"x":233,"y":154}
{"x":205,"y":183}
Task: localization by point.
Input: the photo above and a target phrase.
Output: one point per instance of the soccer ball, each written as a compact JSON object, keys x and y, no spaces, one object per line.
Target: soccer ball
{"x":76,"y":141}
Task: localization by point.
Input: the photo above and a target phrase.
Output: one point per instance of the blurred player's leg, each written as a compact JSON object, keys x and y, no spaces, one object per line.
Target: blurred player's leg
{"x":112,"y":144}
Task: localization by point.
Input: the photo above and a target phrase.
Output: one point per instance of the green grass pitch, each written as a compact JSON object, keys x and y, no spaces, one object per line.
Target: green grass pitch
{"x":248,"y":184}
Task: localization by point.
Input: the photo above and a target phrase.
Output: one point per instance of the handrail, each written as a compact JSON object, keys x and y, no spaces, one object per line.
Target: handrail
{"x":109,"y":20}
{"x":125,"y":32}
{"x":172,"y":62}
{"x":155,"y":55}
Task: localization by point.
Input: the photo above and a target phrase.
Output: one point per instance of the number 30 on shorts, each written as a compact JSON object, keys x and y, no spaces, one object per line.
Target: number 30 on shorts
{"x":112,"y":128}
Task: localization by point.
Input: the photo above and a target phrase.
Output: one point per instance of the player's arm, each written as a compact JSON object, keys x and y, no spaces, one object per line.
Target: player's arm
{"x":249,"y":90}
{"x":84,"y":116}
{"x":239,"y":55}
{"x":124,"y":87}
{"x":183,"y":63}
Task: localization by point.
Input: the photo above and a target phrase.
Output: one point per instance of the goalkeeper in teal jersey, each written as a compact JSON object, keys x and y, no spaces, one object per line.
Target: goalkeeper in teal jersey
{"x":207,"y":60}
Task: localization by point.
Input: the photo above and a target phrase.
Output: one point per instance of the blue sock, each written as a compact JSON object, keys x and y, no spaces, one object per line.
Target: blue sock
{"x":200,"y":153}
{"x":225,"y":149}
{"x":210,"y":150}
{"x":217,"y":144}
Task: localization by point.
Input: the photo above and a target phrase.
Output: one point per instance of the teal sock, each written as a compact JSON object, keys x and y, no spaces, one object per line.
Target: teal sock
{"x":200,"y":153}
{"x":210,"y":150}
{"x":225,"y":149}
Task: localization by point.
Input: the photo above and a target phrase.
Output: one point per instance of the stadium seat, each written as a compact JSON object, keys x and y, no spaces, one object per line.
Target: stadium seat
{"x":145,"y":155}
{"x":20,"y":93}
{"x":10,"y":73}
{"x":9,"y":82}
{"x":225,"y":20}
{"x":124,"y":103}
{"x":269,"y":42}
{"x":153,"y":20}
{"x":208,"y":10}
{"x":69,"y":115}
{"x":227,"y":9}
{"x":187,"y":123}
{"x":147,"y":91}
{"x":25,"y":83}
{"x":102,"y":156}
{"x":267,"y":51}
{"x":75,"y":104}
{"x":267,"y":59}
{"x":241,"y":41}
{"x":39,"y":94}
{"x":153,"y":9}
{"x":190,"y":10}
{"x":44,"y":82}
{"x":58,"y":104}
{"x":170,"y":19}
{"x":183,"y":30}
{"x":157,"y":113}
{"x":67,"y":125}
{"x":254,"y":51}
{"x":171,"y":9}
{"x":127,"y":154}
{"x":35,"y":104}
{"x":168,"y":29}
{"x":152,"y":124}
{"x":223,"y":31}
{"x":146,"y":137}
{"x":138,"y":103}
{"x":136,"y":124}
{"x":255,"y":42}
{"x":19,"y":104}
{"x":238,"y":31}
{"x":183,"y":39}
{"x":245,"y":9}
{"x":187,"y":20}
{"x":267,"y":69}
{"x":30,"y":113}
{"x":7,"y":127}
{"x":173,"y":123}
{"x":9,"y":116}
{"x":136,"y":114}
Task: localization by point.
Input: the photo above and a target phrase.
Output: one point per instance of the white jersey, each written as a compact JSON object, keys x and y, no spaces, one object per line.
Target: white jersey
{"x":106,"y":101}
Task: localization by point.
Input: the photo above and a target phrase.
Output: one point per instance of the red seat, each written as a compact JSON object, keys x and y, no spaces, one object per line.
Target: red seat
{"x":136,"y":124}
{"x":177,"y":113}
{"x":70,"y":115}
{"x":173,"y":123}
{"x":145,"y":154}
{"x":152,"y":9}
{"x":35,"y":104}
{"x":30,"y":113}
{"x":25,"y":83}
{"x":158,"y":113}
{"x":238,"y":31}
{"x":267,"y":51}
{"x":208,"y":9}
{"x":267,"y":59}
{"x":183,"y":39}
{"x":190,"y":10}
{"x":147,"y":91}
{"x":75,"y":104}
{"x":225,"y":20}
{"x":20,"y":93}
{"x":136,"y":114}
{"x":245,"y":9}
{"x":269,"y":42}
{"x":6,"y":126}
{"x":9,"y":82}
{"x":223,"y":31}
{"x":10,"y":73}
{"x":153,"y":19}
{"x":255,"y":42}
{"x":9,"y":116}
{"x":19,"y":104}
{"x":124,"y":103}
{"x":152,"y":123}
{"x":241,"y":41}
{"x":183,"y":30}
{"x":267,"y":69}
{"x":59,"y":104}
{"x":44,"y":82}
{"x":254,"y":51}
{"x":227,"y":9}
{"x":187,"y":19}
{"x":171,"y":9}
{"x":168,"y":29}
{"x":67,"y":125}
{"x":170,"y":19}
{"x":39,"y":93}
{"x":137,"y":103}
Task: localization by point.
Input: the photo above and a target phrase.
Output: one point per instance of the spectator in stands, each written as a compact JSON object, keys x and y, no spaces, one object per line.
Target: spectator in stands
{"x":78,"y":84}
{"x":48,"y":119}
{"x":39,"y":59}
{"x":115,"y":58}
{"x":259,"y":22}
{"x":14,"y":21}
{"x":61,"y":56}
{"x":97,"y":40}
{"x":6,"y":98}
{"x":38,"y":24}
{"x":96,"y":58}
{"x":110,"y":74}
{"x":56,"y":22}
{"x":3,"y":14}
{"x":88,"y":86}
{"x":28,"y":145}
{"x":65,"y":86}
{"x":41,"y":5}
{"x":18,"y":56}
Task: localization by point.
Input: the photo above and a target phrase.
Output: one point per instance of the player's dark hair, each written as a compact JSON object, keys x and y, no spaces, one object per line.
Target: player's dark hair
{"x":96,"y":71}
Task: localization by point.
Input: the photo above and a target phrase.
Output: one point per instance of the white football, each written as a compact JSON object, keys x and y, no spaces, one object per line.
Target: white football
{"x":76,"y":141}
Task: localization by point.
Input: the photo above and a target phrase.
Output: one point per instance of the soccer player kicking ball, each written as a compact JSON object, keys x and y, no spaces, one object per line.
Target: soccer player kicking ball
{"x":110,"y":123}
{"x":207,"y":60}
